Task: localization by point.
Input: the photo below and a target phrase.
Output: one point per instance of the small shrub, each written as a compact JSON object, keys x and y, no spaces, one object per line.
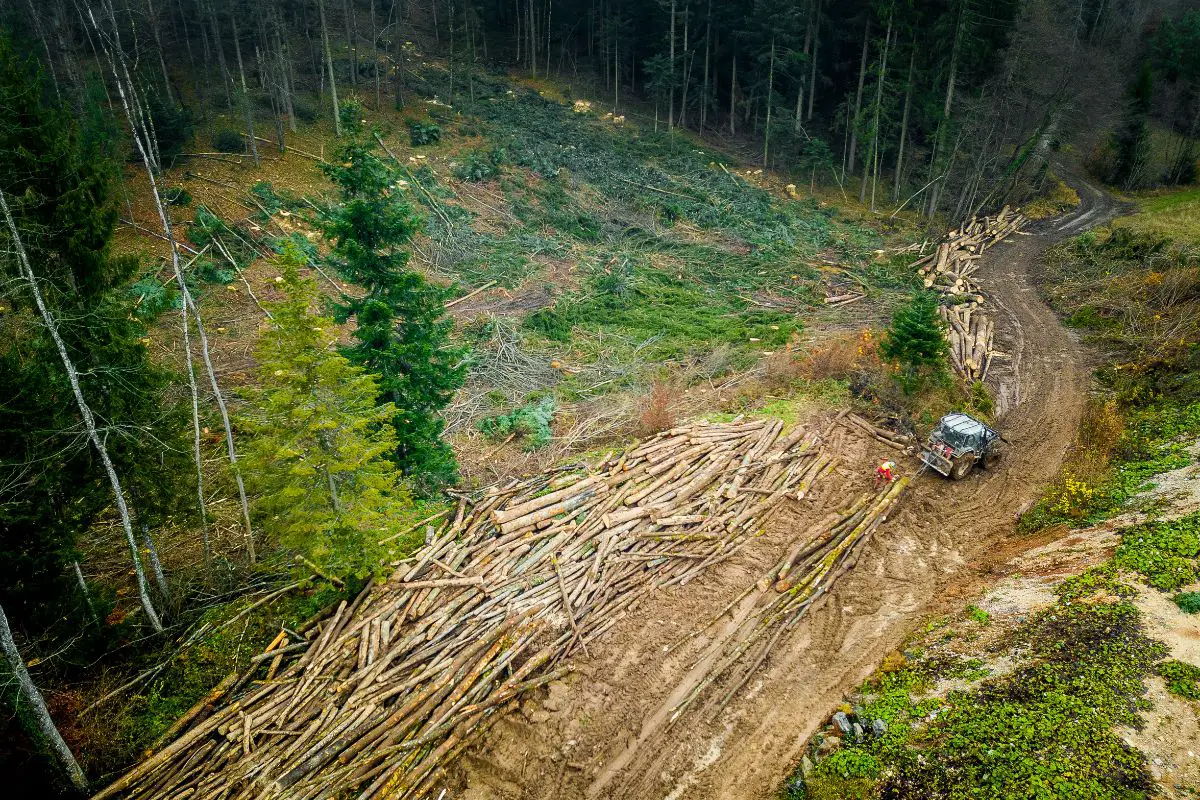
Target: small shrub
{"x":228,"y":141}
{"x":208,"y":271}
{"x":916,"y":343}
{"x":173,"y":127}
{"x":551,"y":323}
{"x":978,"y":614}
{"x":1188,"y":602}
{"x":656,"y":413}
{"x":477,"y":167}
{"x":531,"y":422}
{"x":178,"y":196}
{"x":423,"y":133}
{"x":1182,"y":679}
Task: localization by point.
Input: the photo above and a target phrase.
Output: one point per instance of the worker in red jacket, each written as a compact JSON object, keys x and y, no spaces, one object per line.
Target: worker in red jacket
{"x":885,"y":473}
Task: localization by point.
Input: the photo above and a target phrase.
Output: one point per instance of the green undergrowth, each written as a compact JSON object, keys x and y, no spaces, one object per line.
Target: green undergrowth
{"x":1047,"y":730}
{"x":1164,"y":553}
{"x":1182,"y":679}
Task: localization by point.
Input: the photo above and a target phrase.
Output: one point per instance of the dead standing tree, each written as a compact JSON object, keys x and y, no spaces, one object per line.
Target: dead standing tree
{"x":143,"y":138}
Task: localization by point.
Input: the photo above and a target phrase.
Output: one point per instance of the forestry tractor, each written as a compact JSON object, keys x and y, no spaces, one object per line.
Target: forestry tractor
{"x":958,"y":443}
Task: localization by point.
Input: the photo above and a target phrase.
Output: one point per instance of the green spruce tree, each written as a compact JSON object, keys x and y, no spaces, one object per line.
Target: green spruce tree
{"x":319,"y":459}
{"x":402,"y":333}
{"x":916,"y":342}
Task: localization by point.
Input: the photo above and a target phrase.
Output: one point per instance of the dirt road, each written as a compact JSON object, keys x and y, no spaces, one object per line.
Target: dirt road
{"x":608,"y":733}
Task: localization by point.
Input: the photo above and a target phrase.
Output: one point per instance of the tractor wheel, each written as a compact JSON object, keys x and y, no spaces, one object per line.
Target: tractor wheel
{"x":993,"y":457}
{"x":962,"y":466}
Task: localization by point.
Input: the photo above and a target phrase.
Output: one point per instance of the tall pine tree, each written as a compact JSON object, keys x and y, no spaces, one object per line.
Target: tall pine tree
{"x":402,"y":333}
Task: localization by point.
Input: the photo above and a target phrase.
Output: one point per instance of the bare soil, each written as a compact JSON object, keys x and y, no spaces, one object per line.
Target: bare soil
{"x":606,"y":731}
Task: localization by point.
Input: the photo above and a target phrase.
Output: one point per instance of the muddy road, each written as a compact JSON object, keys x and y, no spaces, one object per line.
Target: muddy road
{"x":608,"y":732}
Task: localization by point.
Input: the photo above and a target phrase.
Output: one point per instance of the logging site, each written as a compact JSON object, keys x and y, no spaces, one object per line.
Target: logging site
{"x":589,"y":399}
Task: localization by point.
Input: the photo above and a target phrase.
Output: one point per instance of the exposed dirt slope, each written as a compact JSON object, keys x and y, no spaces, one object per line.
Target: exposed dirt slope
{"x":607,"y":733}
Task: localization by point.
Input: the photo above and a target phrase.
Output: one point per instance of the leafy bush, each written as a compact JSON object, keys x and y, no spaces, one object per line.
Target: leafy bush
{"x":423,"y":133}
{"x":228,"y":141}
{"x":151,"y":297}
{"x":1182,"y":679}
{"x":477,"y":167}
{"x":531,"y":422}
{"x":210,"y":272}
{"x":178,"y":196}
{"x":1188,"y":602}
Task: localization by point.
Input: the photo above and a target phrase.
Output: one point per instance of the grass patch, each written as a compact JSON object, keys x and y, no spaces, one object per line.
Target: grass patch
{"x":1183,"y":680}
{"x":1171,"y":214}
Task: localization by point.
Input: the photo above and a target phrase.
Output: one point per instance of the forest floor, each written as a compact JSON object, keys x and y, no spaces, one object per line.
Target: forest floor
{"x":607,"y":732}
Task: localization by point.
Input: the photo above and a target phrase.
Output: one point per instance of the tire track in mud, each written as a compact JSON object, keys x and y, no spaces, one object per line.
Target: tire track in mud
{"x":607,"y":733}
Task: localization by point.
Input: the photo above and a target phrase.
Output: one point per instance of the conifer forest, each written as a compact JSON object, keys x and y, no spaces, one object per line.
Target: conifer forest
{"x":478,"y":399}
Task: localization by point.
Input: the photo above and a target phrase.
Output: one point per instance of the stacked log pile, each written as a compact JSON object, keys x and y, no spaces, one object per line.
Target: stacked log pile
{"x":970,"y":333}
{"x":385,"y":692}
{"x":950,"y":268}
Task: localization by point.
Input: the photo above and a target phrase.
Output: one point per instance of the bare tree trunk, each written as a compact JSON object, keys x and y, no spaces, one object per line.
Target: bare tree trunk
{"x":705,"y":93}
{"x":155,"y":29}
{"x":285,"y":73}
{"x":898,"y":178}
{"x":141,"y":137}
{"x":812,"y":72}
{"x":45,"y":725}
{"x":873,"y":160}
{"x":687,"y":65}
{"x":160,"y":577}
{"x":862,"y":75}
{"x":770,"y":91}
{"x":337,"y":112}
{"x":796,"y":123}
{"x":247,"y":112}
{"x":733,"y":97}
{"x":226,"y":76}
{"x":375,"y":59}
{"x":348,"y":12}
{"x":87,"y":595}
{"x":616,"y":70}
{"x":944,"y":124}
{"x":671,"y":85}
{"x":85,"y":412}
{"x":400,"y":67}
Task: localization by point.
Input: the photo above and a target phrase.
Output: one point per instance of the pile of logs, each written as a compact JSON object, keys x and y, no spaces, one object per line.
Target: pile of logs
{"x":949,"y":269}
{"x":385,"y":692}
{"x":970,"y":333}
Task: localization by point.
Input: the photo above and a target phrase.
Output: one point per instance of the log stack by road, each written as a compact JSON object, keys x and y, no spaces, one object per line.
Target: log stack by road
{"x":951,"y":267}
{"x":970,"y":333}
{"x":951,"y":270}
{"x":378,"y":698}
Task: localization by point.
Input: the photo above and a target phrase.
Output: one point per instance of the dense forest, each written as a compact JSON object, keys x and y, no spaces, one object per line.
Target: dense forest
{"x":946,"y":109}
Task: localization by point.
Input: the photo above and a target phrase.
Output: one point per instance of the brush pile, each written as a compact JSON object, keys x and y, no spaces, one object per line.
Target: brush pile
{"x":970,"y":333}
{"x":788,"y":590}
{"x":387,"y":691}
{"x":949,"y":269}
